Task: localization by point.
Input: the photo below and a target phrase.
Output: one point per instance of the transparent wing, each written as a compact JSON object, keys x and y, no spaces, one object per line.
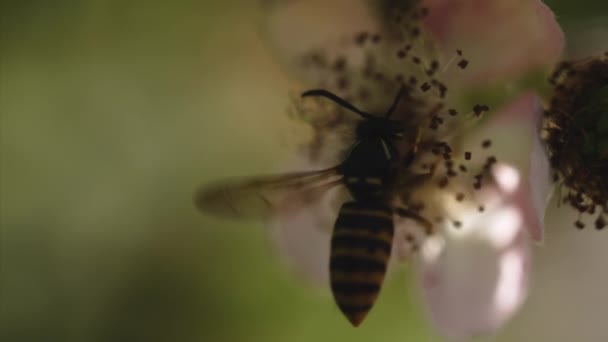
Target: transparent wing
{"x":265,"y":196}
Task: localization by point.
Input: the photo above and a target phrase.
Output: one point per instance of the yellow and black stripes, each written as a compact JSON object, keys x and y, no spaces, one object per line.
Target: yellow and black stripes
{"x":360,"y":249}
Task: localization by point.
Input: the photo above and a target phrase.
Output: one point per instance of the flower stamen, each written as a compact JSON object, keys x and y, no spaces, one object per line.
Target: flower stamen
{"x":575,"y":131}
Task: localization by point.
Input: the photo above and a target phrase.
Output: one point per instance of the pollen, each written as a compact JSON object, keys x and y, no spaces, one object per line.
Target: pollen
{"x":575,"y":131}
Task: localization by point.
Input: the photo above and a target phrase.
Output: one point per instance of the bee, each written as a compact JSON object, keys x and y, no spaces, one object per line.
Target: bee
{"x":363,"y":232}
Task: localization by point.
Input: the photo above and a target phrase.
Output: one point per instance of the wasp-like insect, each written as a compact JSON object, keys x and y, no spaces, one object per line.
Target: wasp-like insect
{"x":363,"y":232}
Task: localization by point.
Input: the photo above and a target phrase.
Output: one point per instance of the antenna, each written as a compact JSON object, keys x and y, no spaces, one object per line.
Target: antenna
{"x":395,"y":102}
{"x":336,"y":99}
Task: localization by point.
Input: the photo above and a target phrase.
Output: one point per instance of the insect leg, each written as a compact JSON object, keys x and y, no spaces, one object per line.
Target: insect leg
{"x":408,"y":213}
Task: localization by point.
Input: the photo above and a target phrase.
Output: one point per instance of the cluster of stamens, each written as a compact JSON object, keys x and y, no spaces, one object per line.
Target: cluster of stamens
{"x":575,"y":131}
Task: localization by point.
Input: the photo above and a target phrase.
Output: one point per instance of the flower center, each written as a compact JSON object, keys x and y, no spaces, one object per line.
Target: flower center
{"x":576,"y":134}
{"x":593,"y":119}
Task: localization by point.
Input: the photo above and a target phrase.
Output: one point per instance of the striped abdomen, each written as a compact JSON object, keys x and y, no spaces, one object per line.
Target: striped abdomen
{"x":360,"y":250}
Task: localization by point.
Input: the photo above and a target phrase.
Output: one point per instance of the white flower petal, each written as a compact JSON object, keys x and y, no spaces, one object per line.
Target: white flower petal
{"x":501,"y":38}
{"x":476,"y":277}
{"x":513,"y":129}
{"x":297,"y":27}
{"x":541,"y":185}
{"x":507,"y":177}
{"x":473,"y":287}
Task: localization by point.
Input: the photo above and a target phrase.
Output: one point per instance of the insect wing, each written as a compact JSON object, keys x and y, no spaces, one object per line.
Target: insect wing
{"x":263,"y":197}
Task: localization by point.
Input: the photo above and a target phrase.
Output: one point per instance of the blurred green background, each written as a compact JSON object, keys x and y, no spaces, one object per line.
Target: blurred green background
{"x":112,"y":113}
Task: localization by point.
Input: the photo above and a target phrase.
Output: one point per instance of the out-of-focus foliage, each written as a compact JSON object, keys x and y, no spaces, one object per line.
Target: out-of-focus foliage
{"x":112,"y":112}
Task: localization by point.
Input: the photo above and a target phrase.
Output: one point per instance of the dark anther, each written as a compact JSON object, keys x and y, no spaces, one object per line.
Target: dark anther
{"x":416,"y":60}
{"x":481,"y":208}
{"x":479,"y":109}
{"x":361,"y":38}
{"x":459,"y":196}
{"x":442,"y":90}
{"x":462,"y":168}
{"x":413,"y":80}
{"x":452,"y":112}
{"x":477,"y":183}
{"x":600,"y":223}
{"x":457,"y":224}
{"x":425,"y":86}
{"x":463,"y":63}
{"x":340,"y":64}
{"x":376,"y":38}
{"x":486,"y":143}
{"x":401,"y":54}
{"x":342,"y":83}
{"x":317,"y":60}
{"x":467,"y":155}
{"x":443,"y":182}
{"x":579,"y":224}
{"x":364,"y":94}
{"x":459,"y":52}
{"x":446,"y":147}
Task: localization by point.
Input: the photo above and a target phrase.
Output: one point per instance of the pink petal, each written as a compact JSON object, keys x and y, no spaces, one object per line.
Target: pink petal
{"x":474,"y":289}
{"x":513,"y":129}
{"x":479,"y":279}
{"x":540,"y":185}
{"x":526,"y":114}
{"x":500,"y":38}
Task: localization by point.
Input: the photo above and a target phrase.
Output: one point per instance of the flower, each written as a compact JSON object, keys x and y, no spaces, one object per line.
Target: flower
{"x":475,"y":278}
{"x":485,"y":28}
{"x":475,"y":268}
{"x":574,"y":130}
